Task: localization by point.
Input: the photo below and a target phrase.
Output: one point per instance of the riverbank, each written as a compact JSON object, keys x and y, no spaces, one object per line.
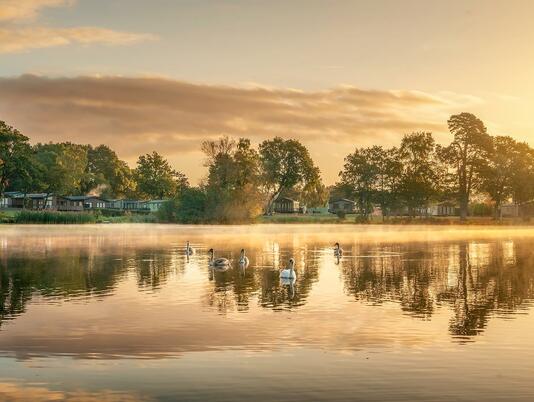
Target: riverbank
{"x":53,"y":217}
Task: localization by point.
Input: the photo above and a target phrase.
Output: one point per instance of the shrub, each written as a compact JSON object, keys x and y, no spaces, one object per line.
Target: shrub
{"x":54,"y":217}
{"x":341,"y":214}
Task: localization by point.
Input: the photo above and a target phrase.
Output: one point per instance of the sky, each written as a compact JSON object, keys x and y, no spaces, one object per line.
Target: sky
{"x":165,"y":75}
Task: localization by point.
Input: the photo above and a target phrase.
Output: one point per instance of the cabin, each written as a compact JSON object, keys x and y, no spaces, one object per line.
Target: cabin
{"x":132,"y":205}
{"x":153,"y":205}
{"x":93,"y":202}
{"x":115,"y":204}
{"x":7,"y":199}
{"x":37,"y":201}
{"x":286,"y":205}
{"x":509,"y":210}
{"x":445,"y":208}
{"x":70,"y":203}
{"x":342,"y":205}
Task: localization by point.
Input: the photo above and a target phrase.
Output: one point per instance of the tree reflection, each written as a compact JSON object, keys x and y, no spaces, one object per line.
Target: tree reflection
{"x":477,"y":280}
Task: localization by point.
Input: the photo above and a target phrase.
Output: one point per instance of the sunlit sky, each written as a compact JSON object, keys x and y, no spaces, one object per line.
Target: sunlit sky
{"x":166,"y":74}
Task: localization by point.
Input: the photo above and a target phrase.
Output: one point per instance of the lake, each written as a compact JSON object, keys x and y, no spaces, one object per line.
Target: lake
{"x":121,"y":313}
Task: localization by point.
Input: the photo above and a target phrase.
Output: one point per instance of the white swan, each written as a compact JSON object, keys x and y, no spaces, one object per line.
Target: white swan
{"x":289,"y":272}
{"x":218,"y":262}
{"x":243,"y":259}
{"x":188,"y":249}
{"x":338,"y":251}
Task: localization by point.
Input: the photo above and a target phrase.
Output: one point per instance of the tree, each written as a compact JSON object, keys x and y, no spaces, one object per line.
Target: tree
{"x":156,"y":178}
{"x":15,"y":154}
{"x":107,"y":171}
{"x":466,"y":155}
{"x":233,"y":182}
{"x":189,"y":206}
{"x":286,"y":165}
{"x":360,"y":174}
{"x":63,"y":167}
{"x":420,"y":173}
{"x":498,"y":172}
{"x":371,"y":176}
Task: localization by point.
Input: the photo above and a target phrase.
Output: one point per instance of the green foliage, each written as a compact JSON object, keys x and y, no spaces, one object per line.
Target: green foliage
{"x":420,"y":178}
{"x":54,"y":217}
{"x":233,"y":185}
{"x":15,"y":157}
{"x":287,"y":165}
{"x":107,"y":171}
{"x":188,"y":207}
{"x":156,"y":178}
{"x":341,"y":214}
{"x":62,"y":166}
{"x":371,"y":176}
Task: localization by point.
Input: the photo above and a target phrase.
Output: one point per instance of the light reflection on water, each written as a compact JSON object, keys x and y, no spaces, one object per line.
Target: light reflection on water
{"x":120,"y":312}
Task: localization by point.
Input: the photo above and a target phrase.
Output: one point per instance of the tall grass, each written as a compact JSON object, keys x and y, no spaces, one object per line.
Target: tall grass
{"x":54,"y":217}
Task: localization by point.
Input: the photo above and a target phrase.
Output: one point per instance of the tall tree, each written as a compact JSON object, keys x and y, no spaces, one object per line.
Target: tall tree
{"x":233,"y":182}
{"x":498,"y":172}
{"x":466,"y":155}
{"x":360,"y":174}
{"x":15,"y":154}
{"x":63,"y":167}
{"x":420,"y":173}
{"x":156,"y":178}
{"x":107,"y":171}
{"x":286,"y":165}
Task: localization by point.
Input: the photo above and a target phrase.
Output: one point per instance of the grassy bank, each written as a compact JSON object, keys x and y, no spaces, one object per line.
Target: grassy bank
{"x":54,"y":217}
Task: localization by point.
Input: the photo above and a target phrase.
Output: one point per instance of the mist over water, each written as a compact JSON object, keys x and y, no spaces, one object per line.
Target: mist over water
{"x":120,"y":312}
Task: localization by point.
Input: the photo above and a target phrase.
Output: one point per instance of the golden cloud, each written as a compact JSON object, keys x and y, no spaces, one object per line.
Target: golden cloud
{"x":134,"y":115}
{"x":20,"y":39}
{"x":13,"y":10}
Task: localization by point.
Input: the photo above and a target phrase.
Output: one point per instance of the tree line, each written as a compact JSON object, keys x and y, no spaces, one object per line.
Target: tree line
{"x":243,"y":181}
{"x":419,"y":171}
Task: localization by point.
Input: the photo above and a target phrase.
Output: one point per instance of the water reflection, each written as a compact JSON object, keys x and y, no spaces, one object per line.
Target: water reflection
{"x":160,"y":300}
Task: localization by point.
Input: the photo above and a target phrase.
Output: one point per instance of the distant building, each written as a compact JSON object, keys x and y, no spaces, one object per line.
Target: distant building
{"x":342,"y":205}
{"x":510,"y":210}
{"x":79,"y":203}
{"x":37,"y":201}
{"x":132,"y":205}
{"x":69,"y":203}
{"x":445,"y":208}
{"x":286,"y":205}
{"x":153,"y":205}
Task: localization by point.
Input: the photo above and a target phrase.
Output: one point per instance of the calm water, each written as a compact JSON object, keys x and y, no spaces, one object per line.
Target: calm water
{"x":114,"y":313}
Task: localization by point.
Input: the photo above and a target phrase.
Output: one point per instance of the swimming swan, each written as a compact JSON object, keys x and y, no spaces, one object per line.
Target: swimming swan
{"x":338,"y":251}
{"x":289,"y":272}
{"x":218,"y":262}
{"x":243,"y":259}
{"x":188,"y":249}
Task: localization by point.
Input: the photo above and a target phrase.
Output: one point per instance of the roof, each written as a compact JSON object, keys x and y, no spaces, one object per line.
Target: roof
{"x":344,"y":200}
{"x":285,"y":199}
{"x":33,"y":196}
{"x":75,"y":197}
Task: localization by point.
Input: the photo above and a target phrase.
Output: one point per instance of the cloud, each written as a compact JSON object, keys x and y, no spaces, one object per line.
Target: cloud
{"x":14,"y":10}
{"x":135,"y":115}
{"x":15,"y":37}
{"x":20,"y":39}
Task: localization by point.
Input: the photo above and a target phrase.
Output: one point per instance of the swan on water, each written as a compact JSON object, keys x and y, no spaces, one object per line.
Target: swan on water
{"x":289,"y":272}
{"x":243,"y":259}
{"x":338,"y":251}
{"x":218,"y":262}
{"x":188,"y":249}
